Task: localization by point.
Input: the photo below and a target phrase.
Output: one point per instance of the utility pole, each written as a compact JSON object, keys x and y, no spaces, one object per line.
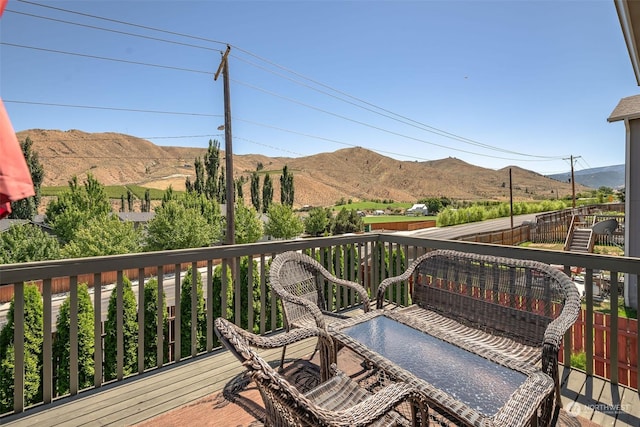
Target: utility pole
{"x":573,"y":181}
{"x":511,"y":199}
{"x":228,"y":151}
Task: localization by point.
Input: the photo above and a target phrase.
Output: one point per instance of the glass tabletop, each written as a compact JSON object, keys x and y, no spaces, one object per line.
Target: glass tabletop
{"x":475,"y":381}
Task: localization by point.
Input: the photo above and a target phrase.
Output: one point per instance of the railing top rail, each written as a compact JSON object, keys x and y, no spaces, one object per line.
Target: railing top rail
{"x":14,"y":273}
{"x":17,"y":273}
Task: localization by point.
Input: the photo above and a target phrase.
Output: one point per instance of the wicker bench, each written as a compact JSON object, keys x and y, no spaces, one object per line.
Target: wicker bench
{"x":516,"y":308}
{"x":337,"y":400}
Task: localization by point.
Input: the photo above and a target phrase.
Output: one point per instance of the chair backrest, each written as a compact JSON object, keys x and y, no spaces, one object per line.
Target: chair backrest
{"x":300,"y":281}
{"x":509,"y":297}
{"x":282,"y":400}
{"x":299,"y":275}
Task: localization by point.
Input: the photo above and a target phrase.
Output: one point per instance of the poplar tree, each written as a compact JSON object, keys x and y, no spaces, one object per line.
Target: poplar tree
{"x":255,"y":191}
{"x":267,"y":193}
{"x":28,"y":208}
{"x":286,"y":187}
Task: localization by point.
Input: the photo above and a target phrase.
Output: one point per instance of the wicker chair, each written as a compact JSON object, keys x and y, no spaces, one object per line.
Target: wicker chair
{"x":336,"y":401}
{"x":299,"y":281}
{"x":519,"y":309}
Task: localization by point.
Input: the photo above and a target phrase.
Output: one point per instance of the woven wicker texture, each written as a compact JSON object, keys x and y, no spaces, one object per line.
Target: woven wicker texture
{"x":336,"y":401}
{"x":511,"y":309}
{"x":300,"y":282}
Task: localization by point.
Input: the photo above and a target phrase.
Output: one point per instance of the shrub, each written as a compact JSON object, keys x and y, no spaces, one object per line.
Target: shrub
{"x":86,"y":343}
{"x":129,"y":331}
{"x":151,"y":325}
{"x":33,"y":337}
{"x":185,"y":314}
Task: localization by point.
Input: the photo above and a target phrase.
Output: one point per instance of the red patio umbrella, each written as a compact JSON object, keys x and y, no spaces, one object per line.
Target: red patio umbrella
{"x":15,"y":178}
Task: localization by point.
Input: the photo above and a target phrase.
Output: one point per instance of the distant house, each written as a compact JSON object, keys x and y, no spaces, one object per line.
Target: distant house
{"x":378,"y":212}
{"x":137,"y":218}
{"x":418,"y":209}
{"x":6,"y":223}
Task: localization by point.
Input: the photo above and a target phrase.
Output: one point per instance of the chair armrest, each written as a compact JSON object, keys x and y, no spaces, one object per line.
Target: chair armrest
{"x":356,"y":287}
{"x":378,"y":404}
{"x":571,"y":309}
{"x":277,"y":340}
{"x":308,"y":305}
{"x":395,"y":279}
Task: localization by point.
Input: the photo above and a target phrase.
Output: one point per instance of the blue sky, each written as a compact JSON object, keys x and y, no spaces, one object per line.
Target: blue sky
{"x":494,"y":83}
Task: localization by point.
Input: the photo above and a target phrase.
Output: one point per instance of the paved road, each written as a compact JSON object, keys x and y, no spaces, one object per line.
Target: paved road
{"x":456,"y":231}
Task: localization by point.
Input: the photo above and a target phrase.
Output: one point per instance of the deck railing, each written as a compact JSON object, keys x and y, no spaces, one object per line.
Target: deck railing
{"x":366,"y":258}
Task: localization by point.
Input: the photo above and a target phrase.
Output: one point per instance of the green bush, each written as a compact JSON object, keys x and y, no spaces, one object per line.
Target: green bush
{"x":151,"y":325}
{"x":579,"y":360}
{"x":33,"y":337}
{"x":86,"y":343}
{"x":185,"y":315}
{"x":129,"y":331}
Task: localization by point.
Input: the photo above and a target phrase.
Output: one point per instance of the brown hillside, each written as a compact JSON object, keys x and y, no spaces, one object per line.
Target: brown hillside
{"x":320,"y":180}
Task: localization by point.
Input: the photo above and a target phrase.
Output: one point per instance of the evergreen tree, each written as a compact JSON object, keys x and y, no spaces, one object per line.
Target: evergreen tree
{"x":239,"y":192}
{"x":185,"y":314}
{"x":286,"y":187}
{"x":122,"y":203}
{"x":222,"y":188}
{"x":316,"y":223}
{"x":33,"y":338}
{"x":28,"y":208}
{"x":200,"y":184}
{"x":212,"y":163}
{"x":130,"y":199}
{"x":129,"y":332}
{"x":146,"y":206}
{"x":249,"y":295}
{"x":347,"y":221}
{"x":151,"y":323}
{"x":86,"y":343}
{"x":267,"y":193}
{"x":255,"y":191}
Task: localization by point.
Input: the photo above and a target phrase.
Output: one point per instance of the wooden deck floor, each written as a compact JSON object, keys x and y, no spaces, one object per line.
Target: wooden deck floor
{"x":151,"y":398}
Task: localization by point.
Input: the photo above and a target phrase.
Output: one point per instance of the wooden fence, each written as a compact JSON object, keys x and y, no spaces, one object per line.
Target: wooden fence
{"x":627,"y":339}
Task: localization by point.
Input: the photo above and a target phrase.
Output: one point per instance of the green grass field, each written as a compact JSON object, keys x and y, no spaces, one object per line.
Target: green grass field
{"x":376,"y":219}
{"x":371,"y":206}
{"x":113,"y":191}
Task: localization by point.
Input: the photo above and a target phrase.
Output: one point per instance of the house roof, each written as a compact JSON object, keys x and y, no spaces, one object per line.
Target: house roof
{"x":627,"y":108}
{"x":629,"y":16}
{"x":6,"y":223}
{"x":136,"y":216}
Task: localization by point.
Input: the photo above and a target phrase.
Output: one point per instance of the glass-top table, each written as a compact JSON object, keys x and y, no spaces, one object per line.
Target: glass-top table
{"x":455,"y":378}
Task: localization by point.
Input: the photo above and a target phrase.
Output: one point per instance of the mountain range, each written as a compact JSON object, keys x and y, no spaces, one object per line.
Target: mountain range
{"x":319,"y":180}
{"x":606,"y":176}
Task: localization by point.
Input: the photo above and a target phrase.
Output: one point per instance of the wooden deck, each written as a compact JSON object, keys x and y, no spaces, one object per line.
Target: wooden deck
{"x":153,"y":397}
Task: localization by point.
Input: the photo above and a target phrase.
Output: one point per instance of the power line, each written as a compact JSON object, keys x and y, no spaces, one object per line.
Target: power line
{"x":50,"y":104}
{"x":104,"y":58}
{"x":117,"y":21}
{"x":378,"y":127}
{"x":112,"y":31}
{"x":404,"y":120}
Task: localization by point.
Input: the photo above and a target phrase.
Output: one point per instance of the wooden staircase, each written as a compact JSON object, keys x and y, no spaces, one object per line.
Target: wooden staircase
{"x":580,"y":237}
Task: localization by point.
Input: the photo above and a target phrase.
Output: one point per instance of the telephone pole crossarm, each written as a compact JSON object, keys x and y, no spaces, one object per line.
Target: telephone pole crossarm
{"x":222,"y":63}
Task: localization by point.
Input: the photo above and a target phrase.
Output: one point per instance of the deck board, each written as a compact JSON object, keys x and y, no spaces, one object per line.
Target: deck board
{"x":598,"y":400}
{"x":154,"y":394}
